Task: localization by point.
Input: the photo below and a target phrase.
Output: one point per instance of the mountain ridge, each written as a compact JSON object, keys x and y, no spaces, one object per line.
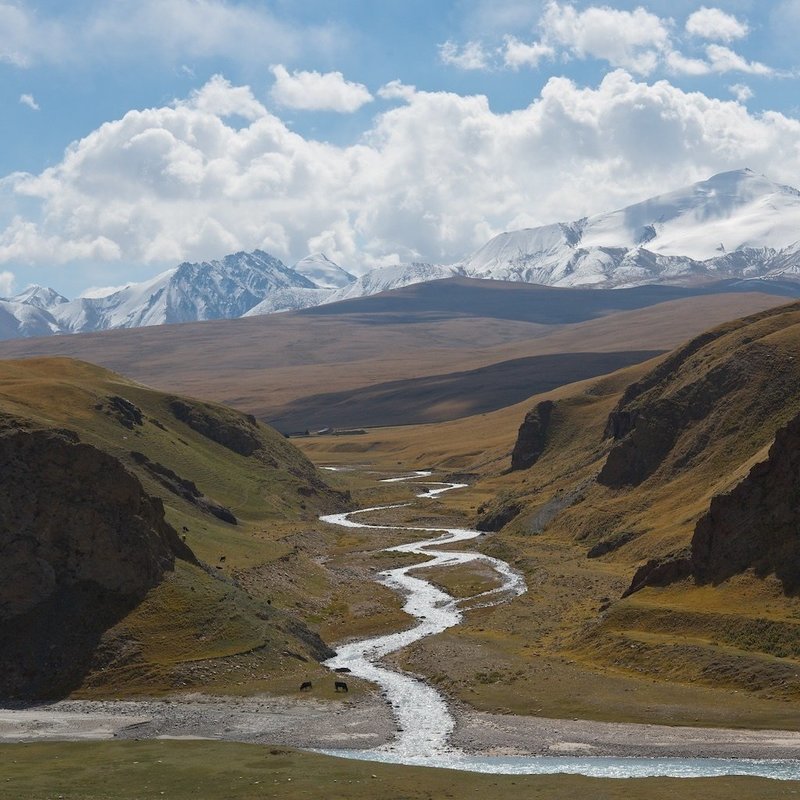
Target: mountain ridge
{"x":735,"y":225}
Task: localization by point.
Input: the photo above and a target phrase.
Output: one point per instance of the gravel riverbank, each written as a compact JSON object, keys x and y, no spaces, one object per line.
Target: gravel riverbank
{"x":367,"y":722}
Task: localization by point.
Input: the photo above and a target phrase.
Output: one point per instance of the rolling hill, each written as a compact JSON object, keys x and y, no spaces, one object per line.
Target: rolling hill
{"x":126,"y":515}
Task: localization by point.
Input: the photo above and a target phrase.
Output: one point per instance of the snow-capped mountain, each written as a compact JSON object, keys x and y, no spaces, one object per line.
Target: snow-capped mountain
{"x":322,"y":272}
{"x":189,"y":292}
{"x":381,"y":279}
{"x":384,"y":279}
{"x":732,"y":225}
{"x":224,"y":289}
{"x":21,"y":320}
{"x":39,"y":297}
{"x":290,"y":299}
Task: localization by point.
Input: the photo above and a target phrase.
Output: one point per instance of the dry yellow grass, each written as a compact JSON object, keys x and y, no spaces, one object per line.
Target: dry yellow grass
{"x":259,"y":364}
{"x":728,"y":654}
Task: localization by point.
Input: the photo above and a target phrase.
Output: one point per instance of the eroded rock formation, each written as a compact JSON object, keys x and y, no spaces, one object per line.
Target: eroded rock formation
{"x":532,"y":436}
{"x":80,"y":544}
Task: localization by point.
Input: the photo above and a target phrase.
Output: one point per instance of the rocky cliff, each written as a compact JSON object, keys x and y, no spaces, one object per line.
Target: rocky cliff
{"x":754,"y":526}
{"x":80,"y":543}
{"x":757,"y":524}
{"x":532,"y":436}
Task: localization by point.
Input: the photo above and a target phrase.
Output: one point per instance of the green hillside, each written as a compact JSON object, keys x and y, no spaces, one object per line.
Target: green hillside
{"x":130,"y":522}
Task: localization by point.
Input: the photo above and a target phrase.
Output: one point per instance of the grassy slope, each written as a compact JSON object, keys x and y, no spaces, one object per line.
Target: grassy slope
{"x":699,"y":655}
{"x":217,"y":771}
{"x":195,"y":629}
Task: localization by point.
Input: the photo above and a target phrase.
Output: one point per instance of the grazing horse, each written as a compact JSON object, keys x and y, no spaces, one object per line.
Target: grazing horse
{"x":340,"y":686}
{"x":305,"y":686}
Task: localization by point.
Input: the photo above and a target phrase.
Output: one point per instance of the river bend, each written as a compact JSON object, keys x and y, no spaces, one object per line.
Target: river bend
{"x":424,"y":720}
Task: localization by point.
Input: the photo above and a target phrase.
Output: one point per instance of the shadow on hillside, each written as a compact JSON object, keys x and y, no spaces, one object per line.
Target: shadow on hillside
{"x":46,"y":653}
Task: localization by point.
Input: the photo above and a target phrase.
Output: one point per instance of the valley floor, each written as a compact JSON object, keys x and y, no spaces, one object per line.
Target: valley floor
{"x":367,"y":722}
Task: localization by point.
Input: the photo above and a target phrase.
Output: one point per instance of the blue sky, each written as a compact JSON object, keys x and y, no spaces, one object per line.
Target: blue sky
{"x":376,"y":131}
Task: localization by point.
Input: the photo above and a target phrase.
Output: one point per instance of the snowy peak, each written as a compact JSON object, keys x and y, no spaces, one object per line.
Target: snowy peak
{"x":187,"y":293}
{"x":21,"y":320}
{"x":40,"y":297}
{"x":322,"y":272}
{"x":384,"y":279}
{"x":678,"y":234}
{"x":730,"y":211}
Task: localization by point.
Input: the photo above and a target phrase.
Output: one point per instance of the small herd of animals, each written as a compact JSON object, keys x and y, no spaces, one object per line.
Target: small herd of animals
{"x":338,"y":686}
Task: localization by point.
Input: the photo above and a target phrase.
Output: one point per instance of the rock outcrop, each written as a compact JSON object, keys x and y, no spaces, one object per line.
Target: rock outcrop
{"x":754,"y":526}
{"x":184,"y":488}
{"x":532,"y":436}
{"x":80,"y":544}
{"x":126,"y":413}
{"x":237,"y":432}
{"x":497,"y":515}
{"x":757,"y":524}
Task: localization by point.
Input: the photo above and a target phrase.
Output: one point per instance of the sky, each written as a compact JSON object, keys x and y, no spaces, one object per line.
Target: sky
{"x":137,"y":134}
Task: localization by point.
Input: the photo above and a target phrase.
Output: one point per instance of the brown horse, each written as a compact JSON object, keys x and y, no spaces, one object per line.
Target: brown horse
{"x":305,"y":686}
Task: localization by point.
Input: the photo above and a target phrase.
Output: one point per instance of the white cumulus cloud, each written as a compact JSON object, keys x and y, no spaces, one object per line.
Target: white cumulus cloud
{"x":397,"y":90}
{"x":741,"y":91}
{"x":518,"y":54}
{"x":631,"y":39}
{"x":220,"y":98}
{"x":719,"y":60}
{"x":469,"y":56}
{"x":679,"y":64}
{"x":317,"y":91}
{"x":715,"y":24}
{"x":723,"y":59}
{"x":429,"y":179}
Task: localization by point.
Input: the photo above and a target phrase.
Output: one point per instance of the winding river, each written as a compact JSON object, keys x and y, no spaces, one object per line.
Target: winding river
{"x":424,"y":720}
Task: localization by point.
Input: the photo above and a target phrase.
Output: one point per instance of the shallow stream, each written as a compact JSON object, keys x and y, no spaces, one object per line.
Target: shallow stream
{"x":425,"y":722}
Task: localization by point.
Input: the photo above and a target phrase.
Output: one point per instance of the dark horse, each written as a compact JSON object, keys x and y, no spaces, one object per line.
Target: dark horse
{"x":305,"y":685}
{"x":340,"y":686}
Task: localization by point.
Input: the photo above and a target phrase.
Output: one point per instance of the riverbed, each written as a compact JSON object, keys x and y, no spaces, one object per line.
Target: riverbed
{"x":426,"y":724}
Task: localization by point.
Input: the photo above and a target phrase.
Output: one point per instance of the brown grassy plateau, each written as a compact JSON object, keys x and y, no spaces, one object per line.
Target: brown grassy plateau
{"x":268,"y":365}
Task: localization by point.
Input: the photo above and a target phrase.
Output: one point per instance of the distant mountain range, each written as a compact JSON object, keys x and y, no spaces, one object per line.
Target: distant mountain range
{"x":734,"y":225}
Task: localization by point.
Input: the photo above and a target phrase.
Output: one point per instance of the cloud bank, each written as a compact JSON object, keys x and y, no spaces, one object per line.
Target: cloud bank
{"x":639,"y":41}
{"x":432,"y":177}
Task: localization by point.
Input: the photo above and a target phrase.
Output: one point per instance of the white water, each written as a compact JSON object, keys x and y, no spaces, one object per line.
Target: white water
{"x":423,"y":717}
